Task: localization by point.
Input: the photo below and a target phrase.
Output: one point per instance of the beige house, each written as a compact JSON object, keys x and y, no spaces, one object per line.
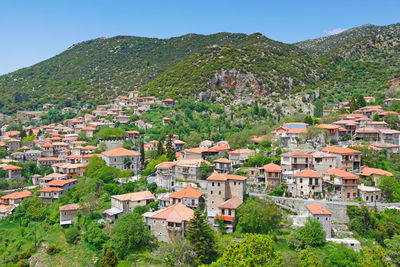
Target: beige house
{"x":240,"y":156}
{"x":340,"y":185}
{"x":16,"y":198}
{"x":270,"y":174}
{"x":189,"y":196}
{"x":346,"y":158}
{"x":308,"y":183}
{"x":169,"y":223}
{"x":13,"y":172}
{"x":121,"y":204}
{"x":372,"y":175}
{"x":369,"y":194}
{"x":165,"y":173}
{"x":118,"y":158}
{"x":227,"y":212}
{"x":189,"y":169}
{"x":296,"y":160}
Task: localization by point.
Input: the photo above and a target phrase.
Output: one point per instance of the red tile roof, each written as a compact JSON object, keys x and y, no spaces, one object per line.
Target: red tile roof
{"x":50,"y":189}
{"x":367,"y":171}
{"x":120,"y":152}
{"x":175,"y":213}
{"x":225,"y":177}
{"x":297,"y":153}
{"x":61,"y":182}
{"x":223,"y":160}
{"x":69,"y":207}
{"x":18,"y":195}
{"x":232,"y":203}
{"x":341,"y":173}
{"x":272,"y":167}
{"x":187,"y":192}
{"x":340,"y":150}
{"x":308,"y":173}
{"x":318,"y":209}
{"x":11,"y":167}
{"x":136,"y":196}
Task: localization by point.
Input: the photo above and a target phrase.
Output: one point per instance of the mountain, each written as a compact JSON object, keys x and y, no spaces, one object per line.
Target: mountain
{"x":322,"y":46}
{"x":98,"y":69}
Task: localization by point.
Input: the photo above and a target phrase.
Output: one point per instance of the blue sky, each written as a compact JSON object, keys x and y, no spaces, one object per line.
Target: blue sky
{"x":32,"y":31}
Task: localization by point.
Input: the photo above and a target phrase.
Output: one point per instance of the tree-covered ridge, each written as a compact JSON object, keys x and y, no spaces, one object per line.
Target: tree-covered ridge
{"x":324,"y":45}
{"x":98,"y":69}
{"x":362,"y":67}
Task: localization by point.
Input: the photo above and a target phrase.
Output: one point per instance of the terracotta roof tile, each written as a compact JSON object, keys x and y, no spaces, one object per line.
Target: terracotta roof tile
{"x":187,"y":192}
{"x":318,"y":209}
{"x":232,"y":203}
{"x":175,"y":213}
{"x":136,"y":196}
{"x":18,"y":195}
{"x":308,"y":173}
{"x":341,"y":173}
{"x":120,"y":152}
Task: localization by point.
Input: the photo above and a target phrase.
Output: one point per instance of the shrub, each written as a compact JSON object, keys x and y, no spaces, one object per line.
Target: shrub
{"x":72,"y":235}
{"x":52,"y":249}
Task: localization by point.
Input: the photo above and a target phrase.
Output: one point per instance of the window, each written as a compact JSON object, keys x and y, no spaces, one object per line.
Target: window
{"x":212,"y":183}
{"x":211,"y":192}
{"x":219,"y":184}
{"x":219,"y":193}
{"x":301,"y":180}
{"x":326,"y":218}
{"x":234,"y":183}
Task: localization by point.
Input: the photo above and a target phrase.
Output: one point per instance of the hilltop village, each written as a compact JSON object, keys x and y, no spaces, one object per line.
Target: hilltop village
{"x":315,"y":168}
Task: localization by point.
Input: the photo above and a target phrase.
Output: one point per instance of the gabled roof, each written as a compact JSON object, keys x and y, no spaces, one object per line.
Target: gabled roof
{"x":272,"y":167}
{"x":297,"y":153}
{"x":308,"y":173}
{"x":175,"y":213}
{"x":136,"y":196}
{"x":318,"y":209}
{"x":340,"y":150}
{"x":232,"y":203}
{"x":120,"y":152}
{"x":165,"y":165}
{"x":328,"y":126}
{"x":18,"y":195}
{"x":187,"y":192}
{"x":241,"y":151}
{"x":69,"y":207}
{"x":367,"y":130}
{"x":223,"y":160}
{"x":61,"y":182}
{"x":341,"y":173}
{"x":12,"y":167}
{"x":225,"y":177}
{"x":367,"y":171}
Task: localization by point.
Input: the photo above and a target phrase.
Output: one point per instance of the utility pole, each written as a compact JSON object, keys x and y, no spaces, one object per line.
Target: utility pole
{"x":35,"y":236}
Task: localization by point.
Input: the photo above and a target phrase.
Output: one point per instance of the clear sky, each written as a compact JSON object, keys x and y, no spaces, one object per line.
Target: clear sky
{"x":34,"y":30}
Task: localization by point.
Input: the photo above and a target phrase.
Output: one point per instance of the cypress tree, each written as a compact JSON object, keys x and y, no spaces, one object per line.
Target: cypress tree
{"x":200,"y":235}
{"x":318,"y":108}
{"x":142,"y":154}
{"x":160,"y":148}
{"x":171,"y":154}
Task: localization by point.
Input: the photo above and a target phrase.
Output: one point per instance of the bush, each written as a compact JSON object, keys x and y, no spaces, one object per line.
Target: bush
{"x":72,"y":235}
{"x":23,"y":263}
{"x":312,"y":234}
{"x":52,"y":249}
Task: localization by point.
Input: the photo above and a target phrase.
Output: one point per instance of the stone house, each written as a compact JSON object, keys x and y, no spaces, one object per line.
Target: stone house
{"x":296,"y":160}
{"x":134,"y":136}
{"x":227,"y":212}
{"x":117,"y":158}
{"x":169,"y":223}
{"x":206,"y":144}
{"x":16,"y":198}
{"x":389,"y":136}
{"x":55,"y":189}
{"x":47,"y":150}
{"x":332,"y":131}
{"x":369,"y":193}
{"x":165,"y":173}
{"x":222,"y":165}
{"x":340,"y":185}
{"x":13,"y":172}
{"x":47,"y":162}
{"x":6,"y":210}
{"x":32,"y":155}
{"x":168,"y":102}
{"x":322,"y":162}
{"x":13,"y":145}
{"x":50,"y":177}
{"x":178,"y":145}
{"x":121,"y":204}
{"x":323,"y":215}
{"x":369,"y":134}
{"x":270,"y":174}
{"x":346,"y":158}
{"x":68,"y":213}
{"x":240,"y":156}
{"x":220,"y":188}
{"x":189,"y":169}
{"x":372,"y":175}
{"x":69,"y":169}
{"x":189,"y":196}
{"x":308,"y":184}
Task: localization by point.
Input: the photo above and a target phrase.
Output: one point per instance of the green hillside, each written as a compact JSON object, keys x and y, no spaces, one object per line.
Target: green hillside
{"x":323,"y":45}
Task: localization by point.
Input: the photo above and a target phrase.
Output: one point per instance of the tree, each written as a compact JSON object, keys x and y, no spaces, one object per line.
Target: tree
{"x":393,"y":248}
{"x":171,"y":154}
{"x":360,"y":102}
{"x":254,"y":250}
{"x":318,"y":108}
{"x":200,"y":236}
{"x":309,"y":259}
{"x":390,"y":188}
{"x":130,"y":233}
{"x":193,"y":140}
{"x":160,"y":149}
{"x":376,"y":257}
{"x":95,"y":236}
{"x":308,"y":119}
{"x":71,"y":235}
{"x":258,"y":215}
{"x":205,"y":169}
{"x":312,"y":234}
{"x":109,"y":259}
{"x":352,"y":104}
{"x":179,"y":252}
{"x":127,"y":162}
{"x":141,"y":150}
{"x":95,"y":163}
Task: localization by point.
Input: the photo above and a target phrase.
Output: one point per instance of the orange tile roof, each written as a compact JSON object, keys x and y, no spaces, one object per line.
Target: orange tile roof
{"x":225,"y":177}
{"x":175,"y":213}
{"x":120,"y":152}
{"x":328,"y":126}
{"x":223,"y":160}
{"x":272,"y":167}
{"x":341,"y":173}
{"x":367,"y":171}
{"x":136,"y":196}
{"x":318,"y":209}
{"x":165,"y":165}
{"x":340,"y":150}
{"x":232,"y":203}
{"x":11,"y":167}
{"x":69,"y":207}
{"x":18,"y":195}
{"x":297,"y":153}
{"x":296,"y":131}
{"x":241,"y":151}
{"x":61,"y":182}
{"x":47,"y":145}
{"x":50,"y":189}
{"x":187,"y":192}
{"x":308,"y":173}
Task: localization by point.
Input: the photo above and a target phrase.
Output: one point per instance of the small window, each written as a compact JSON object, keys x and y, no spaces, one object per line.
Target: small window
{"x":219,"y":184}
{"x":326,"y":218}
{"x":219,"y":192}
{"x":212,"y":183}
{"x":211,"y":192}
{"x":234,"y":182}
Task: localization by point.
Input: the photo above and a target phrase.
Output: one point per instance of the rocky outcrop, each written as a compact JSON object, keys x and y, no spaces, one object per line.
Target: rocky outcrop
{"x":239,"y":81}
